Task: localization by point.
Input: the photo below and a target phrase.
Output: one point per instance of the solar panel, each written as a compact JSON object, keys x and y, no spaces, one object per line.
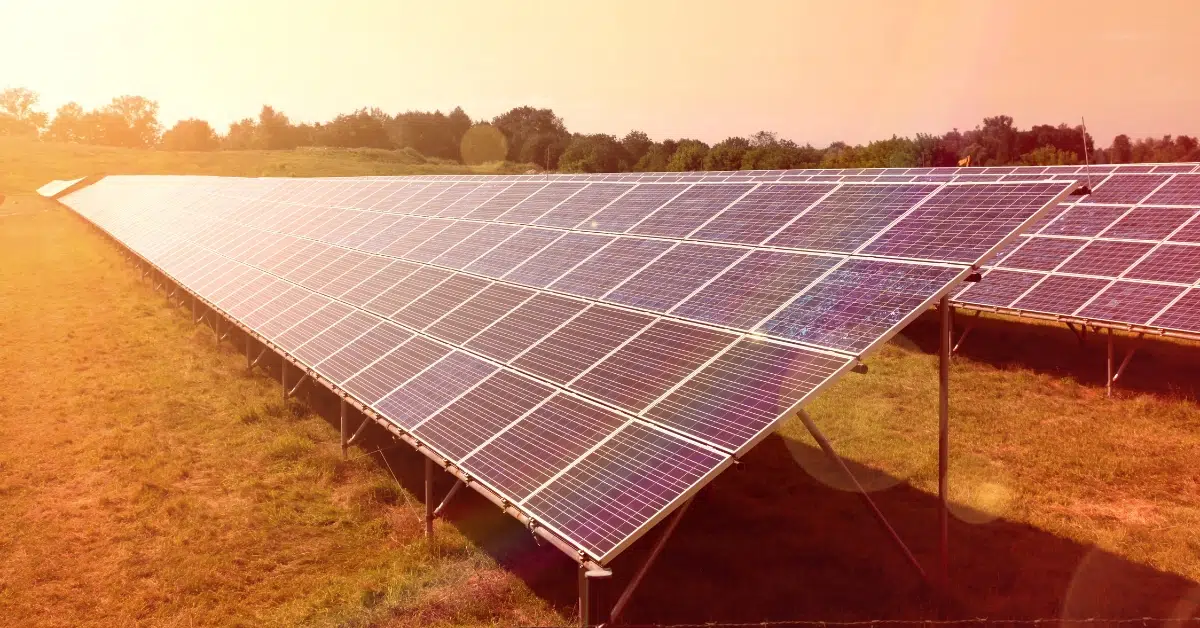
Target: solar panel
{"x":1122,"y":255}
{"x":570,"y":341}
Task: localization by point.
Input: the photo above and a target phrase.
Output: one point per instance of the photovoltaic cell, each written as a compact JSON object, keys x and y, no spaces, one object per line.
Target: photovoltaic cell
{"x":627,"y":210}
{"x":362,"y":351}
{"x":1130,"y":302}
{"x":1083,"y":220}
{"x":433,"y":388}
{"x":361,"y":283}
{"x":1041,"y":253}
{"x":674,"y":276}
{"x":522,"y":327}
{"x":504,"y":200}
{"x":610,"y":266}
{"x":475,"y":245}
{"x":850,"y":216}
{"x":961,"y":222}
{"x":582,"y":342}
{"x":858,"y":302}
{"x":689,"y":210}
{"x":582,"y":204}
{"x":744,"y":391}
{"x":1125,"y":188}
{"x":652,"y":363}
{"x":754,"y":288}
{"x":540,"y":202}
{"x":439,"y":300}
{"x":324,"y":344}
{"x":1176,"y":263}
{"x":999,"y":288}
{"x":1060,"y":294}
{"x":1183,"y":189}
{"x":1149,"y":223}
{"x":481,"y":310}
{"x":440,"y":243}
{"x":417,"y":235}
{"x":513,"y":251}
{"x":472,"y":200}
{"x":395,"y":297}
{"x":556,"y":259}
{"x":604,"y":498}
{"x":481,"y":413}
{"x":1183,"y":315}
{"x":1105,"y":258}
{"x":384,"y":375}
{"x":435,"y":205}
{"x":761,"y":213}
{"x":534,"y":449}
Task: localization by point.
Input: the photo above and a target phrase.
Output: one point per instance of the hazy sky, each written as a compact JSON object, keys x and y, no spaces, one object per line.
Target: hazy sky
{"x":813,"y":71}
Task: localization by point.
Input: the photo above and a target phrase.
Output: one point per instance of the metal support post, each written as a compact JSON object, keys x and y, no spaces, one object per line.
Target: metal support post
{"x":1080,"y":333}
{"x":1125,"y":362}
{"x":615,"y":614}
{"x":828,"y":449}
{"x":437,"y":512}
{"x":1109,"y":379}
{"x":216,"y":329}
{"x":944,"y":441}
{"x":589,"y":595}
{"x":283,"y":378}
{"x":261,"y":353}
{"x":429,"y":498}
{"x":361,"y":427}
{"x":345,"y":426}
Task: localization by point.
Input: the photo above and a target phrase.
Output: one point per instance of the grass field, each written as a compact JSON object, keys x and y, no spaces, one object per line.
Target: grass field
{"x":146,"y":479}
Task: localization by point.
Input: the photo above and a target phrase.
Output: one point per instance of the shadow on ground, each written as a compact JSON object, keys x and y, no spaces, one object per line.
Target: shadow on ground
{"x":767,"y":542}
{"x":1159,"y":366}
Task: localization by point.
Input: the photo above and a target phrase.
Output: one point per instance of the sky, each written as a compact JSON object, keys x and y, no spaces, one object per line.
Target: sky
{"x":816,"y":72}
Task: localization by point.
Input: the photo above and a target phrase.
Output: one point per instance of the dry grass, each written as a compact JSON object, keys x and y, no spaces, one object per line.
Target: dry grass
{"x":146,"y":480}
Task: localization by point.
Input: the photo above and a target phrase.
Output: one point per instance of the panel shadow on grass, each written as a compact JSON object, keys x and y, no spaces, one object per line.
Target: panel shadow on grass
{"x":768,"y":542}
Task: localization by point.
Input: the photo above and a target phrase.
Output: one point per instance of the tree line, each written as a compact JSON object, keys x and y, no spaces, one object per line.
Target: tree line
{"x":540,"y":138}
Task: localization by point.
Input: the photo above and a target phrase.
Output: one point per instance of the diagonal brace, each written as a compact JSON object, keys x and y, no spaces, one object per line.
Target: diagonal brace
{"x":362,"y":426}
{"x":828,"y":449}
{"x":967,"y":330}
{"x":641,"y":572}
{"x":437,"y":512}
{"x":299,"y":383}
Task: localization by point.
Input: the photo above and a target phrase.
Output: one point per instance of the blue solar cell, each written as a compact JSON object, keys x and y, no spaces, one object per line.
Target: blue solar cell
{"x":761,"y":213}
{"x":1084,"y":220}
{"x":674,"y":276}
{"x":543,"y":268}
{"x":1125,"y":188}
{"x":626,"y":211}
{"x":580,"y":343}
{"x":610,"y":266}
{"x":689,"y":210}
{"x":607,"y":495}
{"x":1131,"y":302}
{"x":962,"y":222}
{"x":481,"y":413}
{"x":1149,"y":223}
{"x":998,"y":288}
{"x":850,"y":216}
{"x":858,"y":303}
{"x":505,"y":200}
{"x":1176,"y":263}
{"x":1060,"y":294}
{"x":513,"y":251}
{"x":542,"y":201}
{"x":754,"y":288}
{"x":475,"y":245}
{"x":582,"y":204}
{"x":1105,"y":258}
{"x":1042,"y":253}
{"x":742,"y":393}
{"x":1183,"y":315}
{"x":433,"y":389}
{"x":522,"y":327}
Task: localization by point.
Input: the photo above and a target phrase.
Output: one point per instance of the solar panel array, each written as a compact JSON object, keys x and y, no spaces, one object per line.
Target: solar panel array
{"x":1126,"y":254}
{"x":594,"y":352}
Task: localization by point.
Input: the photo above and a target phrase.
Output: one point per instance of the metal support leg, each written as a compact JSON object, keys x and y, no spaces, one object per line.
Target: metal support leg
{"x":590,"y":582}
{"x":828,"y":449}
{"x":1109,"y":379}
{"x":299,"y":383}
{"x":944,"y":441}
{"x":361,"y":426}
{"x":615,"y":614}
{"x":261,"y":353}
{"x":1125,"y":362}
{"x":345,"y":425}
{"x":249,"y":363}
{"x":437,"y":512}
{"x":1080,"y":333}
{"x":429,"y":498}
{"x":283,"y":378}
{"x":967,"y":330}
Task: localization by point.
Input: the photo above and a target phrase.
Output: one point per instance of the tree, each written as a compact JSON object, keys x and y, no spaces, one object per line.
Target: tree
{"x":1121,"y":151}
{"x":594,"y":153}
{"x":17,"y":113}
{"x":656,"y":158}
{"x":483,"y":143}
{"x":241,"y":136}
{"x":526,"y":124}
{"x":274,"y":130}
{"x":636,"y":145}
{"x":727,"y":154}
{"x":1049,"y":156}
{"x":433,"y":134}
{"x":362,"y":129}
{"x":191,"y":134}
{"x":67,"y":125}
{"x":688,"y":157}
{"x":131,"y":121}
